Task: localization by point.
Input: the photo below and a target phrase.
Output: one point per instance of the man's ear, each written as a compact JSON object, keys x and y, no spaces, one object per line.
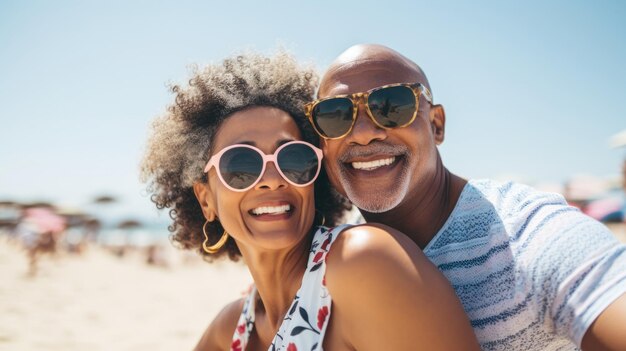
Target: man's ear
{"x":205,"y":199}
{"x":438,"y":122}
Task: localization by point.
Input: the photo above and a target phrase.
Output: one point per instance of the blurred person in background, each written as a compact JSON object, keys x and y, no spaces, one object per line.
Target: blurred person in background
{"x":40,"y":230}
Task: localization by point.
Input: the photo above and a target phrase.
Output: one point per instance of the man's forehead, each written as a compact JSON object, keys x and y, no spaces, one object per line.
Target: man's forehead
{"x":362,"y":75}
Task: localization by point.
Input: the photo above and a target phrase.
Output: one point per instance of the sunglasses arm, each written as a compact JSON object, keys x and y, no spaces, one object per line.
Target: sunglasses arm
{"x":426,"y":93}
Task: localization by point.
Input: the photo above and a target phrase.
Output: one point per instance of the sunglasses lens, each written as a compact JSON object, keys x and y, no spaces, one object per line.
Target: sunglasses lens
{"x":240,"y":167}
{"x":333,"y":117}
{"x":393,"y":106}
{"x":299,"y":163}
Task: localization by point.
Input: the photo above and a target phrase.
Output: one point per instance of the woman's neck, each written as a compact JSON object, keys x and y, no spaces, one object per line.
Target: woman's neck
{"x":277,"y":276}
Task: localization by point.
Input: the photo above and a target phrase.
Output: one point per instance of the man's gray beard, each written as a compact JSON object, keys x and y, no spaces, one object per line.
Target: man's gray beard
{"x":374,"y":200}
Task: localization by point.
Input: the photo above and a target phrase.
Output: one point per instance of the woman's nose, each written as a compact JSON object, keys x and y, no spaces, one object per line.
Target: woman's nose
{"x":271,"y":178}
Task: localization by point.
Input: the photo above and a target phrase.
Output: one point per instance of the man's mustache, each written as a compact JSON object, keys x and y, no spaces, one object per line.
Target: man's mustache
{"x":372,"y":149}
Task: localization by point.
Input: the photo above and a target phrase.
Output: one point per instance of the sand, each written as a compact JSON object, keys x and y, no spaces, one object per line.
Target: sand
{"x":98,"y":301}
{"x":101,"y":302}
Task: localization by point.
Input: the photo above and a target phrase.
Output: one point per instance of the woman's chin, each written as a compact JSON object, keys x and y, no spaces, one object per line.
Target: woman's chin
{"x":278,"y":239}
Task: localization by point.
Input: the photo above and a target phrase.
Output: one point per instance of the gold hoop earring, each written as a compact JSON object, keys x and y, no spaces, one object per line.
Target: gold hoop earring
{"x":215,"y":247}
{"x":323,"y":217}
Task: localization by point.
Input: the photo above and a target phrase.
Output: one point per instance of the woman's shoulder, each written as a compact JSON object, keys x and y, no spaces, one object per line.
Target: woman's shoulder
{"x":387,"y":294}
{"x":369,"y":241}
{"x":219,"y":334}
{"x":366,"y":254}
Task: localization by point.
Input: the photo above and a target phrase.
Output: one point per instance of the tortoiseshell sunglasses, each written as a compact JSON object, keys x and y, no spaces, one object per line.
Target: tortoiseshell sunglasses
{"x":390,"y":106}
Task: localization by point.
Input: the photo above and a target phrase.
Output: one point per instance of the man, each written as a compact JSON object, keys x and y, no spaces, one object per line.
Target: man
{"x":531,"y":272}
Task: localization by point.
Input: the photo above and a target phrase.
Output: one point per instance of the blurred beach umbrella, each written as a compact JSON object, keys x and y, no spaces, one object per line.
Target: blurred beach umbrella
{"x":104,"y":199}
{"x":38,"y":204}
{"x":618,"y":140}
{"x":73,"y":216}
{"x":109,"y":209}
{"x":93,"y":223}
{"x":129,"y":224}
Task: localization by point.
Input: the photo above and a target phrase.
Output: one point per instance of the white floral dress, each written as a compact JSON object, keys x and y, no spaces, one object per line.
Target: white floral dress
{"x":304,"y":326}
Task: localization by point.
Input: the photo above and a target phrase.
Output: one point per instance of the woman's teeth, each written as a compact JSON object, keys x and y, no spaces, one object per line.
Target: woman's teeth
{"x":274,"y":210}
{"x":371,"y":165}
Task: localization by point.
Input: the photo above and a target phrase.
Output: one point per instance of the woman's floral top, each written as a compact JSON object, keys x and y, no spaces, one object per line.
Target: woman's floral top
{"x":304,"y":326}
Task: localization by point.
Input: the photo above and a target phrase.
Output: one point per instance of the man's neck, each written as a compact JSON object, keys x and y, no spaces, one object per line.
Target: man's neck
{"x":424,"y":212}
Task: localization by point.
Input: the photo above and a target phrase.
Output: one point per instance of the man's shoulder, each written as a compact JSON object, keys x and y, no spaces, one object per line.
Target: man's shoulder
{"x":509,"y":199}
{"x":524,"y":214}
{"x":493,"y":212}
{"x":498,"y":190}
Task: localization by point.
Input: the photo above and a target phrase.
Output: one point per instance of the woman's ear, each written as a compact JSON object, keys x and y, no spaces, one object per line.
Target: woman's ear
{"x":438,"y":123}
{"x":205,"y":199}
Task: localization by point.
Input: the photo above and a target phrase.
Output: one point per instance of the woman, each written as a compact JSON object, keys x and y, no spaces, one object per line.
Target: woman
{"x":234,"y":159}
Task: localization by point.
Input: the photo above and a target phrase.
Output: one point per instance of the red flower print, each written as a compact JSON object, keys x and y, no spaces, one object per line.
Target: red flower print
{"x":324,"y":281}
{"x":321,"y":316}
{"x":325,"y":245}
{"x":236,"y":345}
{"x":292,"y":347}
{"x":241,"y":328}
{"x":318,"y":257}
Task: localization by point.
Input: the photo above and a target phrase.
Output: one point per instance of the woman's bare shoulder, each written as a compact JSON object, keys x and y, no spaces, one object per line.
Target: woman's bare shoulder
{"x":387,"y":294}
{"x":219,"y":334}
{"x":367,"y":241}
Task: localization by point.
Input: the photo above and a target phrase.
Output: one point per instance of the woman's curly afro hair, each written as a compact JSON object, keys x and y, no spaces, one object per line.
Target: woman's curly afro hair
{"x":181,"y":139}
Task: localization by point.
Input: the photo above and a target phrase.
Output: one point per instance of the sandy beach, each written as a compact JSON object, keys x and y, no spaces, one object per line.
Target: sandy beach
{"x":98,"y":301}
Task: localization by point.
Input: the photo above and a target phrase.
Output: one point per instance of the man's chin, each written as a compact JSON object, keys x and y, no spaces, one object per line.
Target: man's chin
{"x":375,"y":194}
{"x":374,"y":201}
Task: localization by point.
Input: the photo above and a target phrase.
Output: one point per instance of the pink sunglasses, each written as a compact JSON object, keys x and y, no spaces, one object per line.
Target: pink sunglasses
{"x":240,"y":167}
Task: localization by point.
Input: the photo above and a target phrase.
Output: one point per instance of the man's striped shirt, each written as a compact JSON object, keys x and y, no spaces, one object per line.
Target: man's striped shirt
{"x":532,"y":272}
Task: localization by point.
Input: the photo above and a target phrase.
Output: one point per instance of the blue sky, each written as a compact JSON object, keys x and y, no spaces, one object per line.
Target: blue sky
{"x":530,"y":88}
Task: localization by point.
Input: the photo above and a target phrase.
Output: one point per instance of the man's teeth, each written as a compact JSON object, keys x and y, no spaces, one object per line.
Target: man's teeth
{"x":271,"y":210}
{"x":371,"y":165}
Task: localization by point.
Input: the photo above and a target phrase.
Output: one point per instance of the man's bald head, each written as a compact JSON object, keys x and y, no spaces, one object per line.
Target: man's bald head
{"x":379,"y":168}
{"x":363,"y":58}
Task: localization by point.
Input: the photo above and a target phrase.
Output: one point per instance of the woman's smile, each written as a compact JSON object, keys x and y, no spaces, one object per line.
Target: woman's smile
{"x":272,"y":211}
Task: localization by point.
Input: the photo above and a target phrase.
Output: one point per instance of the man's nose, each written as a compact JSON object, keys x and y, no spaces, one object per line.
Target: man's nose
{"x":365,"y":130}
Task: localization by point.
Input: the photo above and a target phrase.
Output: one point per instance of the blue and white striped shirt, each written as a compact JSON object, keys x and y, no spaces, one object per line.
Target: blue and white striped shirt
{"x":532,"y":272}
